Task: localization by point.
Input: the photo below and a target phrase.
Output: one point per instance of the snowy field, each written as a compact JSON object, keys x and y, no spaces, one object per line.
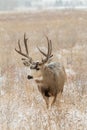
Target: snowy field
{"x":21,"y":105}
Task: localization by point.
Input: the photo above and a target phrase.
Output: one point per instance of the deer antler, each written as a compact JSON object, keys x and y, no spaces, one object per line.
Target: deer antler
{"x":30,"y":61}
{"x":49,"y":52}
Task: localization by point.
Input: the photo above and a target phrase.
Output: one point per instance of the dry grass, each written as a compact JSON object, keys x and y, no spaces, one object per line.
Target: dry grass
{"x":21,"y":105}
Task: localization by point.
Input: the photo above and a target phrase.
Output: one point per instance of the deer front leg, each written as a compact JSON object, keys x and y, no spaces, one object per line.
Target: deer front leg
{"x":40,"y":85}
{"x":44,"y":92}
{"x":52,"y":97}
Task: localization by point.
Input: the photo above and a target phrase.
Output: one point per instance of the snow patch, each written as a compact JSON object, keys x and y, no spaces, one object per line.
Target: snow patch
{"x":2,"y":80}
{"x":58,"y":56}
{"x":70,"y":71}
{"x":2,"y":92}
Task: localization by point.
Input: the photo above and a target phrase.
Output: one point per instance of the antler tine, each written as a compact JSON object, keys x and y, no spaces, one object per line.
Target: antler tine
{"x":50,"y":47}
{"x":49,"y":52}
{"x":19,"y":45}
{"x":41,"y":51}
{"x":21,"y":53}
{"x":26,"y":48}
{"x":25,"y":43}
{"x":49,"y":55}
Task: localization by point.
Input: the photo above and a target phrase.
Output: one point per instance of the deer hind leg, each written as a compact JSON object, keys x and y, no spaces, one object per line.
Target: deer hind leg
{"x":43,"y":90}
{"x":53,"y":99}
{"x":61,"y":97}
{"x":46,"y":100}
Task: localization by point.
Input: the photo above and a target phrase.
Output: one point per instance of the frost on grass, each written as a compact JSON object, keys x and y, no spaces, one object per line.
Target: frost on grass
{"x":22,"y":107}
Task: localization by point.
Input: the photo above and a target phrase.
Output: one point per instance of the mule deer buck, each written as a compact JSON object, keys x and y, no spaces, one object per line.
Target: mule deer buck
{"x":53,"y":73}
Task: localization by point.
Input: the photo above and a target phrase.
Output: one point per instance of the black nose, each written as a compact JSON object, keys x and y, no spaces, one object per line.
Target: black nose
{"x":29,"y":77}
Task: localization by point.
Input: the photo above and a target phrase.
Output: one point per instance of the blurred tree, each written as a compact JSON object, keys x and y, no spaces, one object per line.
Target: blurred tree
{"x":8,"y":4}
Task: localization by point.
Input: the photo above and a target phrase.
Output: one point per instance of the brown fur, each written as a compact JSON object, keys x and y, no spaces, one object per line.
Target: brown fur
{"x":52,"y":81}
